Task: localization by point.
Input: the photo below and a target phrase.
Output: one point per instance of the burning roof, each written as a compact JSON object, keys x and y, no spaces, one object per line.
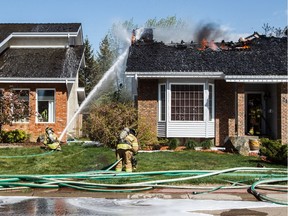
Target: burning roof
{"x":253,"y":55}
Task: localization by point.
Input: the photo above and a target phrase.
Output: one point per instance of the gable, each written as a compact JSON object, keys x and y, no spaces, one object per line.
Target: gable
{"x":9,"y":28}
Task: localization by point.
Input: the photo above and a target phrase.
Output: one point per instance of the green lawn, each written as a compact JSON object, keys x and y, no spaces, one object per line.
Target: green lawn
{"x":28,"y":167}
{"x":75,"y":158}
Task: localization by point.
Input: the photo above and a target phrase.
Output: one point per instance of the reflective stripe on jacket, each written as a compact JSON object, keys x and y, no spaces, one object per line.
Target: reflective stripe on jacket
{"x":123,"y":146}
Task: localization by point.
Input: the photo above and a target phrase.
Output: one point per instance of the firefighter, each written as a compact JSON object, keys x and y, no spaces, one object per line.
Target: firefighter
{"x":126,"y":148}
{"x":51,"y":140}
{"x":135,"y":146}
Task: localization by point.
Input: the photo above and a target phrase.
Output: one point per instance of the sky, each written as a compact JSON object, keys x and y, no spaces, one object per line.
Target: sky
{"x":237,"y":17}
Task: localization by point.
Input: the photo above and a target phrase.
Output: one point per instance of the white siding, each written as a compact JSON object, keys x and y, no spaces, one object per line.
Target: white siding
{"x":191,"y":129}
{"x":161,"y":129}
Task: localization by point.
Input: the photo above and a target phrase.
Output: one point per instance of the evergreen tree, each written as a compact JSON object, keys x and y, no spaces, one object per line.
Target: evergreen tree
{"x":104,"y":59}
{"x":86,"y":74}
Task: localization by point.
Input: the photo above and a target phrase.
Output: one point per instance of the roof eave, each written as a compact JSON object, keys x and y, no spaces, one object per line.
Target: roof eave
{"x":215,"y":75}
{"x":256,"y":79}
{"x":36,"y":80}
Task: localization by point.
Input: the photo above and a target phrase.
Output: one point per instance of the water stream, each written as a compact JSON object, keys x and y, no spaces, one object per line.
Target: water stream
{"x":118,"y":65}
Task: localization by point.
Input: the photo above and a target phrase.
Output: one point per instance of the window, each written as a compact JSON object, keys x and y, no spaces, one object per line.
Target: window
{"x":162,"y":102}
{"x":23,"y":96}
{"x":187,"y":102}
{"x":45,"y":105}
{"x":211,"y":102}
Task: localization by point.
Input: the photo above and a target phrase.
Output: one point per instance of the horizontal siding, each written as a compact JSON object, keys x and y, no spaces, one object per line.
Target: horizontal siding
{"x":161,"y":129}
{"x":190,"y":129}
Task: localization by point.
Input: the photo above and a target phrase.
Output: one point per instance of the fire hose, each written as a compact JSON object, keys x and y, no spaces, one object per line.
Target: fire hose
{"x":77,"y":181}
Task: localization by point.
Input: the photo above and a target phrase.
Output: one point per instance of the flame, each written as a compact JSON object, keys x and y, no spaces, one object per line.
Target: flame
{"x":204,"y":44}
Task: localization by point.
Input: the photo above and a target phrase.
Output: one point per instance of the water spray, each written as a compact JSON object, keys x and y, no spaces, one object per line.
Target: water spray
{"x":121,"y":59}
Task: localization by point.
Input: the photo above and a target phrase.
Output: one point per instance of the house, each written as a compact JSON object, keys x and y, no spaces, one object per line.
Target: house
{"x":41,"y":62}
{"x":212,"y":90}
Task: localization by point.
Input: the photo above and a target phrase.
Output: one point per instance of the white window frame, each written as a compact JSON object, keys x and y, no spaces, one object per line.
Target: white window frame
{"x":160,"y":103}
{"x":25,"y":120}
{"x":170,"y":102}
{"x":51,"y":107}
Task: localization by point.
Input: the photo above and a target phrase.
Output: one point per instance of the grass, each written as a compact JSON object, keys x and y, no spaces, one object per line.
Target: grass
{"x":75,"y":158}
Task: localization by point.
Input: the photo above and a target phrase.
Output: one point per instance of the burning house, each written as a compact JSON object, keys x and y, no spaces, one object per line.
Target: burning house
{"x":212,"y":90}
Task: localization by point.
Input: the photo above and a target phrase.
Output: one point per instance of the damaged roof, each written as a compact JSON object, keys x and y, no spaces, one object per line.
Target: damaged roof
{"x":266,"y":56}
{"x":41,"y":63}
{"x":8,"y":28}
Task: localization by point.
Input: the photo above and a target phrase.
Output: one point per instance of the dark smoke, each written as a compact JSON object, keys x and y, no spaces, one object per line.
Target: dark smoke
{"x":209,"y":31}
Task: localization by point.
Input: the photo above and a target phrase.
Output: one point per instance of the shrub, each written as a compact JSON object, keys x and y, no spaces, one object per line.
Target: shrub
{"x":147,"y":136}
{"x":206,"y":144}
{"x":107,"y":119}
{"x":273,"y":150}
{"x":173,"y":143}
{"x":14,"y":136}
{"x":191,"y":144}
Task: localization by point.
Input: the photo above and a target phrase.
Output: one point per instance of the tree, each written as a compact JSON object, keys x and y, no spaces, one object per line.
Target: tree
{"x":12,"y":108}
{"x":168,"y":22}
{"x":272,"y":31}
{"x":86,"y":74}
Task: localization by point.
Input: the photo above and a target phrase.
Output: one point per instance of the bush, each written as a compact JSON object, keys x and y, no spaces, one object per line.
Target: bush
{"x":147,"y":136}
{"x":206,"y":144}
{"x":191,"y":144}
{"x":107,"y":119}
{"x":173,"y":143}
{"x":14,"y":136}
{"x":273,"y":150}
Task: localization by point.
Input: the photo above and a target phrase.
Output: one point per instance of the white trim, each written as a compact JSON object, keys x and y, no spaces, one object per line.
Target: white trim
{"x":54,"y":110}
{"x":256,"y":79}
{"x":36,"y":80}
{"x":37,"y":46}
{"x":176,"y":74}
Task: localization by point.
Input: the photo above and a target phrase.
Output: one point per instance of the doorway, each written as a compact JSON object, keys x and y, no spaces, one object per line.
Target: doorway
{"x":255,"y":121}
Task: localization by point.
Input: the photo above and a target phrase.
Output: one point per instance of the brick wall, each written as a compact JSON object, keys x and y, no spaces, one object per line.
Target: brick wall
{"x":147,"y":101}
{"x":224,"y":111}
{"x":283,"y":111}
{"x":33,"y":128}
{"x":240,"y":109}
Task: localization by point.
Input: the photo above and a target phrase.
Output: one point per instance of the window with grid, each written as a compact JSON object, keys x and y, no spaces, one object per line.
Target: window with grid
{"x":187,"y":102}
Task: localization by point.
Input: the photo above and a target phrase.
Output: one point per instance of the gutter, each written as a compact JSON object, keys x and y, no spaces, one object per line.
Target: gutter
{"x":36,"y":80}
{"x":256,"y":79}
{"x":185,"y":74}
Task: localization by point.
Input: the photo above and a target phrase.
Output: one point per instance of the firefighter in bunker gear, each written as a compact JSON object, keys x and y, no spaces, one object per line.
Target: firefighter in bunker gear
{"x":51,"y":140}
{"x":127,"y":146}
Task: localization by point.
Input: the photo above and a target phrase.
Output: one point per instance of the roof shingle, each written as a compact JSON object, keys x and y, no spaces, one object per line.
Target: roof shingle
{"x":267,"y":56}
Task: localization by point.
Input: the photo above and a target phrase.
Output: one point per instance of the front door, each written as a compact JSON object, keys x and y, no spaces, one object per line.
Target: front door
{"x":254,"y":114}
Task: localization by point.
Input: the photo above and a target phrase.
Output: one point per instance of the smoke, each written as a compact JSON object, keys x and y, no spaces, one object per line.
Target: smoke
{"x":196,"y":32}
{"x":209,"y":31}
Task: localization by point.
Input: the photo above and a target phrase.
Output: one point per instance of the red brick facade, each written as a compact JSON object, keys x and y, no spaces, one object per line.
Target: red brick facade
{"x":283,"y":111}
{"x":33,"y":128}
{"x":147,"y":101}
{"x":230,"y":108}
{"x":224,"y":111}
